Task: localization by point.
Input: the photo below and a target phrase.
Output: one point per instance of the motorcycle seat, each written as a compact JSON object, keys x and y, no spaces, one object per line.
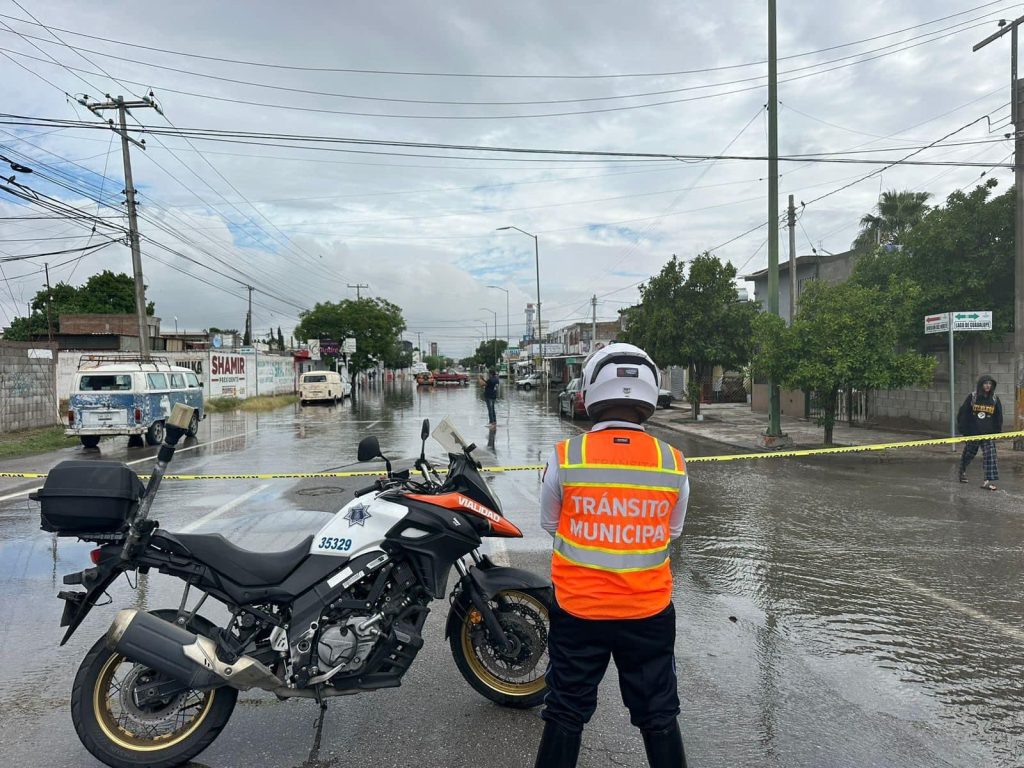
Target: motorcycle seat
{"x":242,"y":566}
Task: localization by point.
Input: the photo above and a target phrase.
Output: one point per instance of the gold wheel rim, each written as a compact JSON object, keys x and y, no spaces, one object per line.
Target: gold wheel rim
{"x":488,"y":678}
{"x":119,"y":735}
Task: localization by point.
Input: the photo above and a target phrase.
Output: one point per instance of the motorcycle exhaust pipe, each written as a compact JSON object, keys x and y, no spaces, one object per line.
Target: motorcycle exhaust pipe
{"x":191,"y":659}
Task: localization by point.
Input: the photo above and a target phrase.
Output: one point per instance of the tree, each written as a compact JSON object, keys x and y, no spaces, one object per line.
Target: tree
{"x":374,"y":323}
{"x":398,"y":357}
{"x":435,"y":362}
{"x":692,"y":318}
{"x":897,"y":213}
{"x":844,"y":336}
{"x":280,"y":339}
{"x":961,"y":256}
{"x":103,"y":293}
{"x":487,"y":353}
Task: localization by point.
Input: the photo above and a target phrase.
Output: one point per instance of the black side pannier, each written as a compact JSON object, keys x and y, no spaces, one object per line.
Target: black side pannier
{"x":88,"y":497}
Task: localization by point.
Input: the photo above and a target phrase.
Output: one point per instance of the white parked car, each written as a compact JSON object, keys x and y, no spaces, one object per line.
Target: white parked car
{"x":529,"y":382}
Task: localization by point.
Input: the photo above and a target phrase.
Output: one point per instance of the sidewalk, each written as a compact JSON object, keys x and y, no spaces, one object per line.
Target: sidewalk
{"x":737,"y":426}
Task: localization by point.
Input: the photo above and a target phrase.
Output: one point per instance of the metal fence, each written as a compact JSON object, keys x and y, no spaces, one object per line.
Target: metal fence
{"x":852,"y":406}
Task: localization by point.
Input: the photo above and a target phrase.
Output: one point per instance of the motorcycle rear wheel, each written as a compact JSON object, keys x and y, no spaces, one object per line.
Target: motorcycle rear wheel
{"x":123,"y":734}
{"x":511,"y":678}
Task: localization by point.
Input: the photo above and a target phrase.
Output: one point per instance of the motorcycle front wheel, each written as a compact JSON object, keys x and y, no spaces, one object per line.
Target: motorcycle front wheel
{"x":122,"y":732}
{"x":511,"y":676}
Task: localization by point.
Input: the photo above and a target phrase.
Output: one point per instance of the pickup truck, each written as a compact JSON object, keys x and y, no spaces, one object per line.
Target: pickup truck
{"x":443,"y":377}
{"x":451,"y":377}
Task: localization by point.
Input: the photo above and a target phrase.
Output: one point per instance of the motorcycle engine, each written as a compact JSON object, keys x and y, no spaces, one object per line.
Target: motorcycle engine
{"x":343,"y":648}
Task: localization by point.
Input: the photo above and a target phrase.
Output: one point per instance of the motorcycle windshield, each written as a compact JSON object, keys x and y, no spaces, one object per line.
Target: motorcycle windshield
{"x":448,"y":436}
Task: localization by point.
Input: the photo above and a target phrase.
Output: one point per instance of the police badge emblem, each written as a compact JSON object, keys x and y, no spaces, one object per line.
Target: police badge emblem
{"x":358,"y":515}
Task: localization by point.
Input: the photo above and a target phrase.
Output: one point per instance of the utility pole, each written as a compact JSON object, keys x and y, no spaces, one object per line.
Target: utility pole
{"x":359,"y":287}
{"x":248,"y":340}
{"x":774,"y":431}
{"x":122,"y":108}
{"x":1016,"y":116}
{"x":508,"y":324}
{"x":540,"y":326}
{"x":792,"y":261}
{"x":49,"y":298}
{"x":593,"y":322}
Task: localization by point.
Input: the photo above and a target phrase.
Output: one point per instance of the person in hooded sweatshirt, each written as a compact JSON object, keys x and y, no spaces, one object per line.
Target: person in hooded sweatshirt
{"x":981,"y":414}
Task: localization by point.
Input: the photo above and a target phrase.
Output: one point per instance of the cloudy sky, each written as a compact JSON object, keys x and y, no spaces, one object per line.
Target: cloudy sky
{"x":300,"y":220}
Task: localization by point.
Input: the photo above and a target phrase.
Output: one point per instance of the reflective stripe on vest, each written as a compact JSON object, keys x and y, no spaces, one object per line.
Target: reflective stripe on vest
{"x":610,"y":559}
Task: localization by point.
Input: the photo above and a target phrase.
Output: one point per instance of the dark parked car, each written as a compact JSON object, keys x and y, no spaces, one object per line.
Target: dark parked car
{"x":570,"y":401}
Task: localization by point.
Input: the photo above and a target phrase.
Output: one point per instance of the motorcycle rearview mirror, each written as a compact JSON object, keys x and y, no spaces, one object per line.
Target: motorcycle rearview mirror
{"x":369,"y":449}
{"x":424,"y":434}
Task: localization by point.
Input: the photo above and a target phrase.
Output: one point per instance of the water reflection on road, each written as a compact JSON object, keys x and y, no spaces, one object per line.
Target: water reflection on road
{"x":859,"y":607}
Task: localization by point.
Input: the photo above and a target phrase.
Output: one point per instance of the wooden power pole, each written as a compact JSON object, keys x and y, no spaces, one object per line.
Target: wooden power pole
{"x":121,"y":128}
{"x":1016,"y":115}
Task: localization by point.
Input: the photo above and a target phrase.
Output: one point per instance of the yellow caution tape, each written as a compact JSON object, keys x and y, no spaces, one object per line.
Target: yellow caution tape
{"x":537,"y":467}
{"x":859,"y":448}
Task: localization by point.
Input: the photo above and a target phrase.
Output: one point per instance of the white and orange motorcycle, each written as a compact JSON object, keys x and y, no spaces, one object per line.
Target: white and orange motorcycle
{"x":341,"y":613}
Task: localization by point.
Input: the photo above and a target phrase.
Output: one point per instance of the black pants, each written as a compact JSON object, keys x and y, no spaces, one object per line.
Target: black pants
{"x":644,"y":653}
{"x":492,"y":417}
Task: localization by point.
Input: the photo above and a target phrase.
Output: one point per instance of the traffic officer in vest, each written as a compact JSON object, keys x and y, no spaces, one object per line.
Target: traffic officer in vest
{"x":613,"y":498}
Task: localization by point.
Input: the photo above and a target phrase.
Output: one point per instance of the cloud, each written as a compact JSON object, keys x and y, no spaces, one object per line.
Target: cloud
{"x":419,"y":224}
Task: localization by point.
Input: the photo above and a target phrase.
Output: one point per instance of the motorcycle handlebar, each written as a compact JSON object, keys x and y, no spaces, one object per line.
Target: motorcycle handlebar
{"x":369,"y":489}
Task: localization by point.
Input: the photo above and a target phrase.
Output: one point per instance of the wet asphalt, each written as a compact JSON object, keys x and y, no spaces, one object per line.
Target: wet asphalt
{"x":841,"y":611}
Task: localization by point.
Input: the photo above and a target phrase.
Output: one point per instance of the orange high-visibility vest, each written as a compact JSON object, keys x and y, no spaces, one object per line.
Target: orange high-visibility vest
{"x":610,"y":559}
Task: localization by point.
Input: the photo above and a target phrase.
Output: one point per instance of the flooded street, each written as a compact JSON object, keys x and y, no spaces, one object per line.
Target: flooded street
{"x":833,"y":611}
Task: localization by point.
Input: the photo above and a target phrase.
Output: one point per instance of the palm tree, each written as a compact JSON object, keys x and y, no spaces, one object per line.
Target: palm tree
{"x":897,"y":212}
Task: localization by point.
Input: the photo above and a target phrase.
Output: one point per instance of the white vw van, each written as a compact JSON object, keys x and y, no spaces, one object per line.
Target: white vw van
{"x":130,"y":398}
{"x":320,"y":386}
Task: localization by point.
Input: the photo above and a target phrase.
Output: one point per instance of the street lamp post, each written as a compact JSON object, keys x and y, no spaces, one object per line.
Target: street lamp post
{"x":508,"y":326}
{"x":484,"y":324}
{"x":536,"y":256}
{"x":494,"y":349}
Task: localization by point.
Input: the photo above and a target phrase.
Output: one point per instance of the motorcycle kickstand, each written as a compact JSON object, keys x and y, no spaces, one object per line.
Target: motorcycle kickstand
{"x":321,"y":702}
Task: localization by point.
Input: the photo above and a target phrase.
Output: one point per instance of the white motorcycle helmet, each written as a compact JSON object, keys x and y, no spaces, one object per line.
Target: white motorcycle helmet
{"x":620,"y":375}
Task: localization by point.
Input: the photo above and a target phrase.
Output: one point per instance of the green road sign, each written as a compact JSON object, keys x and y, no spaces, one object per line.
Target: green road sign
{"x":972,"y":321}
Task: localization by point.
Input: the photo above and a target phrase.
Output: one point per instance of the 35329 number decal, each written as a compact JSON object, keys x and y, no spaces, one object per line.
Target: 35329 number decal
{"x":340,"y":545}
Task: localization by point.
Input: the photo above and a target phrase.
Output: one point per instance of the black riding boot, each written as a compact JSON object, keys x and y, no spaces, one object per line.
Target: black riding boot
{"x":559,"y":748}
{"x":665,"y":748}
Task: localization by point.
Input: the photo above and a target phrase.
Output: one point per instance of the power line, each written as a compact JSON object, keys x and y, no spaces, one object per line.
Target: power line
{"x":439,"y":102}
{"x":514,"y":116}
{"x":668,"y":209}
{"x":159,"y":111}
{"x":87,"y":248}
{"x":412,"y":73}
{"x":242,"y":136}
{"x":168,"y":230}
{"x":901,"y":161}
{"x":148,"y":102}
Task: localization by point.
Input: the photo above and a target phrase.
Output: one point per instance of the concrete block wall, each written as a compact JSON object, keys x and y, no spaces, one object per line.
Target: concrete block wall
{"x":929,"y":405}
{"x":27,"y":379}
